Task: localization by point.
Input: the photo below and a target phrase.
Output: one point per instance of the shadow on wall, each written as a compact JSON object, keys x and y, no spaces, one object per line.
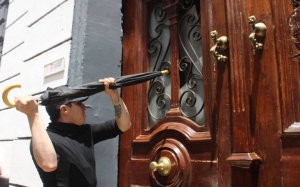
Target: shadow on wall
{"x":4,"y":182}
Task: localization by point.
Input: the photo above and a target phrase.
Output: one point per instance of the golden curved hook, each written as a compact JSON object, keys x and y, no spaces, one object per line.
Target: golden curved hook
{"x":5,"y":94}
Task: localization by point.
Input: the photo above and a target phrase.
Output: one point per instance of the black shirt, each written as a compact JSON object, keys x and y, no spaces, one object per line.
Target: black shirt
{"x":74,"y":146}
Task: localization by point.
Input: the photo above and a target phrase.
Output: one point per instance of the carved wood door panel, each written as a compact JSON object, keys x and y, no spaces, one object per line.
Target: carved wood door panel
{"x":169,"y":117}
{"x":217,"y":118}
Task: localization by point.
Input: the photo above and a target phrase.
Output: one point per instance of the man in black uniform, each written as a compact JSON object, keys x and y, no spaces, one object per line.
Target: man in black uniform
{"x":64,"y":152}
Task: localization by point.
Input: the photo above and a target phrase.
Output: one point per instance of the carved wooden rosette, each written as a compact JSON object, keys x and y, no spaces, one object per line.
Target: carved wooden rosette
{"x":180,"y":162}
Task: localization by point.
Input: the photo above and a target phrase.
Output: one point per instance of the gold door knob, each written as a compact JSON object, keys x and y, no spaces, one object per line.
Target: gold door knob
{"x":163,"y":166}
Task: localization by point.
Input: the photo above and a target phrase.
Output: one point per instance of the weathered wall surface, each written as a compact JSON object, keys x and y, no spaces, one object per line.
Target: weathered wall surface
{"x":101,"y":57}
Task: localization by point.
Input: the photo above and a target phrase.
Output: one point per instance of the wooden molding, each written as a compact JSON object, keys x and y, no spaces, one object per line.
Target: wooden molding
{"x":182,"y":125}
{"x":243,"y":160}
{"x":292,"y":130}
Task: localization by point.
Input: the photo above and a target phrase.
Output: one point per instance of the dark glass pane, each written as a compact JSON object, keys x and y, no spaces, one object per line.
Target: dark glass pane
{"x":191,"y":63}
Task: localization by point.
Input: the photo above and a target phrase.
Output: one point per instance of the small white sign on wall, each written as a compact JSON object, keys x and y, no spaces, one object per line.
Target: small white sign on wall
{"x":54,"y":67}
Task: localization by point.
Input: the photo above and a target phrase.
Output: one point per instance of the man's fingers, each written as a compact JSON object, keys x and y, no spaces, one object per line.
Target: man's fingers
{"x":24,"y":99}
{"x":109,"y":80}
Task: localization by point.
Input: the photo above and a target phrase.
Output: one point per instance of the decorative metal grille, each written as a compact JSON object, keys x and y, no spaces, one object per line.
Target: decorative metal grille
{"x":159,"y":101}
{"x":191,"y":101}
{"x":296,"y":3}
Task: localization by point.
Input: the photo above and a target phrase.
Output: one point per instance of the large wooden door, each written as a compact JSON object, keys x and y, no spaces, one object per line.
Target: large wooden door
{"x":226,"y":113}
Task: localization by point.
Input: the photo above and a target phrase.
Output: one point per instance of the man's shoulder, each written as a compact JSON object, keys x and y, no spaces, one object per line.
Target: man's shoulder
{"x":106,"y":122}
{"x":55,"y":136}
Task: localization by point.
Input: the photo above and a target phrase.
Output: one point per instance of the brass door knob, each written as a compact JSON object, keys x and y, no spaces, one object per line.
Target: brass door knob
{"x":163,"y":166}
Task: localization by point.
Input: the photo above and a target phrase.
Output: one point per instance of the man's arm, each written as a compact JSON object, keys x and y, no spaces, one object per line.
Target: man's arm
{"x":43,"y":150}
{"x":122,"y":116}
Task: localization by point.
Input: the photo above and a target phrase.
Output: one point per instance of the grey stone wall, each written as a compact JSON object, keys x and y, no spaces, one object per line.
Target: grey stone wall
{"x":96,"y":53}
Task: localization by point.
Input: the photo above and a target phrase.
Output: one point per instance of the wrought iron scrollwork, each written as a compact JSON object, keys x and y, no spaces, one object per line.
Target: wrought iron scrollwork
{"x":191,"y":102}
{"x":187,"y":4}
{"x":158,"y":49}
{"x":296,"y":3}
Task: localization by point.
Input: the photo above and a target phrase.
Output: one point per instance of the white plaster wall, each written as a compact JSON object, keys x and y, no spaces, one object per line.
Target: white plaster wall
{"x":11,"y":63}
{"x":16,"y":20}
{"x":49,"y":31}
{"x":37,"y":33}
{"x":16,"y":9}
{"x":41,"y":9}
{"x":6,"y":157}
{"x":22,"y":168}
{"x":36,"y":82}
{"x":14,"y":37}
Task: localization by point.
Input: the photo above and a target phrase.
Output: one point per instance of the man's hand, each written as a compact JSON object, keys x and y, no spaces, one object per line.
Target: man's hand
{"x":113,"y":93}
{"x":26,"y":105}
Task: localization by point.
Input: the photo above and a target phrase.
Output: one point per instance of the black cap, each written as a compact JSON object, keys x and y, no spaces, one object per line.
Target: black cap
{"x":53,"y":109}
